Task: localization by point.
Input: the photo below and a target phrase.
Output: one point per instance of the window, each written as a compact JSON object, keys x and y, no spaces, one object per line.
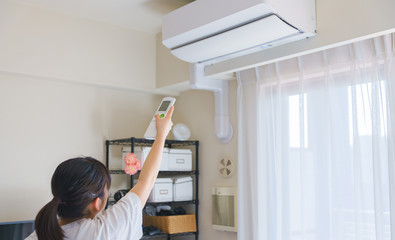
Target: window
{"x":337,"y":175}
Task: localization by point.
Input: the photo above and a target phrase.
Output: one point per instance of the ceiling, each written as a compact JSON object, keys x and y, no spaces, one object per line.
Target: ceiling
{"x":142,"y":15}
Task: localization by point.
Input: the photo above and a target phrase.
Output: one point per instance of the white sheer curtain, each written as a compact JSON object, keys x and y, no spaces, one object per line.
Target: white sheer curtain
{"x":316,"y":150}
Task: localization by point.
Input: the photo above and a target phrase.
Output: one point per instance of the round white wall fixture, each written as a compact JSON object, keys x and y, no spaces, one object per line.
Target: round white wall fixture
{"x":226,"y":167}
{"x":181,"y":132}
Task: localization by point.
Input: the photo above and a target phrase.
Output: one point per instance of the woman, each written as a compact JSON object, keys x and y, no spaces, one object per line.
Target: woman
{"x":80,"y":191}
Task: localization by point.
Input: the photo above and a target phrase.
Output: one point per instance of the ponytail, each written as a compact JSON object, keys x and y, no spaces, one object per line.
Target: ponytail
{"x":75,"y":184}
{"x":46,"y":223}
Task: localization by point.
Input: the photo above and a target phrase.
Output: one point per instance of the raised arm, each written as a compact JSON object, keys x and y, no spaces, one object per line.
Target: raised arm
{"x":150,"y":169}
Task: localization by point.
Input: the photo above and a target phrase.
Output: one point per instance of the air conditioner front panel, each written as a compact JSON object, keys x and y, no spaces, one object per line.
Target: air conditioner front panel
{"x":259,"y":32}
{"x":174,"y":36}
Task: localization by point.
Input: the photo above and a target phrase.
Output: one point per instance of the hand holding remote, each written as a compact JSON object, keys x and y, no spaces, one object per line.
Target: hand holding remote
{"x":164,"y":125}
{"x":160,"y":113}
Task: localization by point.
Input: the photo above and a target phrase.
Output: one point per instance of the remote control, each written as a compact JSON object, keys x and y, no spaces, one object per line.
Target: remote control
{"x":164,"y":107}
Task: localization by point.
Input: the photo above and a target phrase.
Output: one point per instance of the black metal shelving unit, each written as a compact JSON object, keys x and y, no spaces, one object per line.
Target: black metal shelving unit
{"x":141,"y":142}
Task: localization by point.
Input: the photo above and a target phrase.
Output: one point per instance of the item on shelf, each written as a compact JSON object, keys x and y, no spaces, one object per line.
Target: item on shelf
{"x":172,"y":224}
{"x":165,"y":213}
{"x":171,"y":212}
{"x":151,"y":230}
{"x":179,"y":210}
{"x":120,"y":194}
{"x":162,"y":207}
{"x":162,"y":190}
{"x":142,"y":152}
{"x":180,"y":160}
{"x":181,"y":132}
{"x":132,"y":164}
{"x":149,"y":210}
{"x":182,"y":188}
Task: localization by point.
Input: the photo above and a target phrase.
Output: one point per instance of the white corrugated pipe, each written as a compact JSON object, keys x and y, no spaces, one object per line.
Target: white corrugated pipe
{"x":223,"y":126}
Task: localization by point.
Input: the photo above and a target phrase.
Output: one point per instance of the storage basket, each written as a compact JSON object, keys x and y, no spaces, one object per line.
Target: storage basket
{"x":172,"y":224}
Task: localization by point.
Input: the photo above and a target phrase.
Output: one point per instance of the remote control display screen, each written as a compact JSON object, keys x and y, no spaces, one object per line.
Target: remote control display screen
{"x":164,"y":106}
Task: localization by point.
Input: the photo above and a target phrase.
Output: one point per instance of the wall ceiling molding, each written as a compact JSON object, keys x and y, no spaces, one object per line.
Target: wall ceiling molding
{"x":168,"y":91}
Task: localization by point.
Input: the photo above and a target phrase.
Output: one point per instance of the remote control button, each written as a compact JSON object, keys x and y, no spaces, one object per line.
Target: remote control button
{"x":162,"y":115}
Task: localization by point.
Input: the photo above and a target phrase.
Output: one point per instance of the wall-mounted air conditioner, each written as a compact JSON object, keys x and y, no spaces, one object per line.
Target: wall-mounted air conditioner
{"x":221,"y":29}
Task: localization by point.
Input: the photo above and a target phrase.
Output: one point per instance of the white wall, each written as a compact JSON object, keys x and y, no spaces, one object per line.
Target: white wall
{"x":64,"y":88}
{"x":41,"y":42}
{"x":196,"y":109}
{"x":169,"y":69}
{"x":44,"y":123}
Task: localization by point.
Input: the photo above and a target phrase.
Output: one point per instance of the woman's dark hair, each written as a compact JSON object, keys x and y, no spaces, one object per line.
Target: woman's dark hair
{"x":75,"y":184}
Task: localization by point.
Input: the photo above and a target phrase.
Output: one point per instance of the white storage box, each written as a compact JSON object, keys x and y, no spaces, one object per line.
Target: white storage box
{"x":182,"y":188}
{"x":142,"y":153}
{"x":162,"y":190}
{"x":180,"y":160}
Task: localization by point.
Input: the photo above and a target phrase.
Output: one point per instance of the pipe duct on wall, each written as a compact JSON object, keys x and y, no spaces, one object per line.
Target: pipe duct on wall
{"x":220,"y":88}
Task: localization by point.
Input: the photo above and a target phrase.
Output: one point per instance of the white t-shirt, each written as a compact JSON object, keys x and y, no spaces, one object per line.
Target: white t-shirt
{"x":121,"y":221}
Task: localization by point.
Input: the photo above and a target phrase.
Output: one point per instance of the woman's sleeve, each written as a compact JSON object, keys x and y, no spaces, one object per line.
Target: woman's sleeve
{"x":124,"y":217}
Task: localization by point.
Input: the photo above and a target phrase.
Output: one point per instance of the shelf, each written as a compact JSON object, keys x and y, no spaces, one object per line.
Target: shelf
{"x":164,"y":235}
{"x":172,"y":203}
{"x":146,"y":142}
{"x":111,"y":202}
{"x":161,"y":172}
{"x":117,"y":172}
{"x":133,"y":142}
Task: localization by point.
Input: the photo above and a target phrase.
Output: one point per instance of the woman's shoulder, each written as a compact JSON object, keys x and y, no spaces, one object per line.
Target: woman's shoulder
{"x":32,"y":236}
{"x":131,"y":200}
{"x":71,"y":230}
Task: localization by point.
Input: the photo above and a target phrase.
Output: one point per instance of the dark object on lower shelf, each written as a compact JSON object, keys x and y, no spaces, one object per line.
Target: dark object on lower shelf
{"x":176,"y":211}
{"x":165,"y":235}
{"x":151,"y":230}
{"x":120,"y":194}
{"x":159,"y":236}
